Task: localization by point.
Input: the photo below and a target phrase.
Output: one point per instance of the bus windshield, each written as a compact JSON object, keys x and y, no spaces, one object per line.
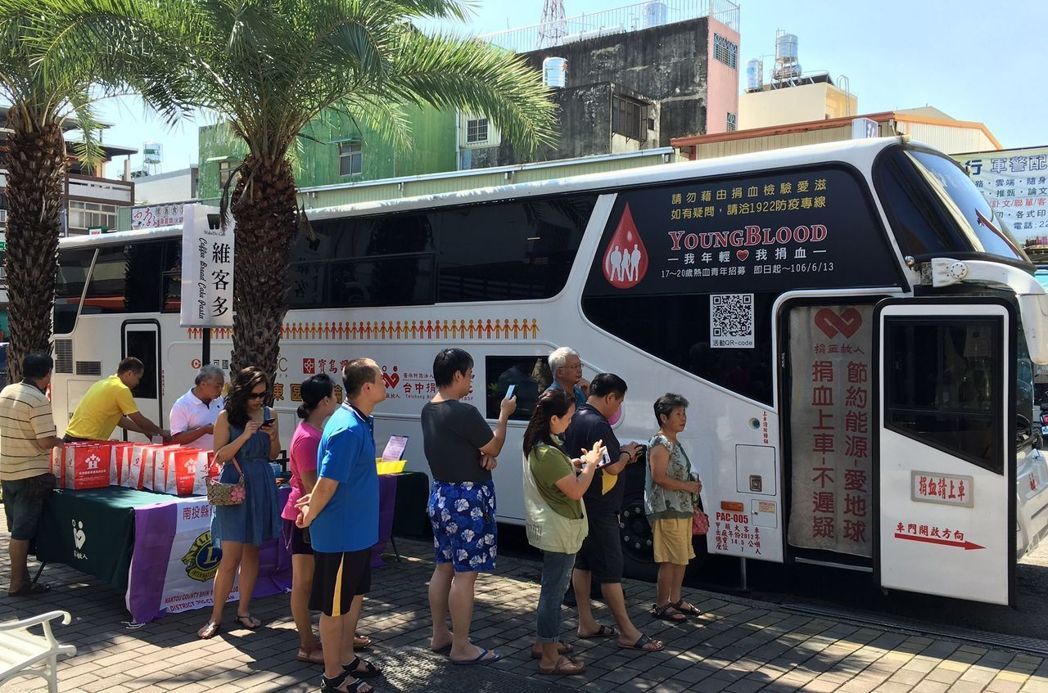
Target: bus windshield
{"x":935,"y":209}
{"x":985,"y":230}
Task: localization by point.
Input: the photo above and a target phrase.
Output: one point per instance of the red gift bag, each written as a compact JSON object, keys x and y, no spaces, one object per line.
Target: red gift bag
{"x":117,"y":461}
{"x":184,"y":466}
{"x":86,"y":465}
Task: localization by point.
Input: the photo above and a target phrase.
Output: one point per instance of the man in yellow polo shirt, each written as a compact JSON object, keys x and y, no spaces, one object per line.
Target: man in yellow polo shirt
{"x":108,"y":404}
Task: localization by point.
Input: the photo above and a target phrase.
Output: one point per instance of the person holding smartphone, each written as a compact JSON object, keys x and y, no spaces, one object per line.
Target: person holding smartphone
{"x":246,"y":440}
{"x":556,"y":521}
{"x":461,"y":448}
{"x":600,"y":557}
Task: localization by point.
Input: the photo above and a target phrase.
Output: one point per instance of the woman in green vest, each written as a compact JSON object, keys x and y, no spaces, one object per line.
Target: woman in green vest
{"x":556,"y":518}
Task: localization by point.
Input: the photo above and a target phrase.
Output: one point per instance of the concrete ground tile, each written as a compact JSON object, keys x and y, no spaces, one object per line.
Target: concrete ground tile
{"x":66,"y":682}
{"x":746,"y":686}
{"x":927,"y":686}
{"x":893,"y":687}
{"x":966,"y":687}
{"x":907,"y":676}
{"x":1003,"y":686}
{"x":1035,"y":686}
{"x":942,"y":675}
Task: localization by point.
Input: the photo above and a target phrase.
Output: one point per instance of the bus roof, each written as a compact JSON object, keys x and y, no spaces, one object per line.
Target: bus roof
{"x":848,"y":151}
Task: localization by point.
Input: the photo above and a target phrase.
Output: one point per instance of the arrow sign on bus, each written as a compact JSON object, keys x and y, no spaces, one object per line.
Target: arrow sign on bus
{"x":966,"y":545}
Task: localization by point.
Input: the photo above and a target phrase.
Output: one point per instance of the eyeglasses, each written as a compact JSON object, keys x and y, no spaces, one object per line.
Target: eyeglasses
{"x":256,"y":395}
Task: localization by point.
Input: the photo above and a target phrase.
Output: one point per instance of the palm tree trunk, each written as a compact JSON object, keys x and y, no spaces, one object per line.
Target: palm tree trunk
{"x":36,"y":172}
{"x":264,"y":208}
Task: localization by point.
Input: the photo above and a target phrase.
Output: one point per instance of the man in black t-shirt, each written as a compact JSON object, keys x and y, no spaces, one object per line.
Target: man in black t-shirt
{"x":461,"y":448}
{"x":601,"y":554}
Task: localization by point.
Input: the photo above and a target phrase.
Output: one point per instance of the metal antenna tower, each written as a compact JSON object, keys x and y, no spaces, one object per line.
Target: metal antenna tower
{"x":553,"y":26}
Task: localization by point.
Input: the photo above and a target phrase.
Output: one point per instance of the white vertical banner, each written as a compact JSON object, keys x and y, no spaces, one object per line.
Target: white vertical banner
{"x":207,"y":268}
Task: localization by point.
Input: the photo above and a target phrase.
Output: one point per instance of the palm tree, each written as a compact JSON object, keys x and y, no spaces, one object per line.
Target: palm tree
{"x":269,"y":68}
{"x":43,"y":96}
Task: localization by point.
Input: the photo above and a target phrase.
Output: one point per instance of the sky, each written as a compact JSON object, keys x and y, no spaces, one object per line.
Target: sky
{"x":973,"y":59}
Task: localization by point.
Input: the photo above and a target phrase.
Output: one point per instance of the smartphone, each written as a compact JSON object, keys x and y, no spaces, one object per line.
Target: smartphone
{"x":605,"y":460}
{"x":509,"y":392}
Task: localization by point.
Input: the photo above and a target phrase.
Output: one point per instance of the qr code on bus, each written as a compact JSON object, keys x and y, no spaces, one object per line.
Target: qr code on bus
{"x":731,"y":321}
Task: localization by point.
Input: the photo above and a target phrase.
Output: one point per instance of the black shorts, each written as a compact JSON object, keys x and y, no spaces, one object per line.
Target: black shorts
{"x":601,"y":552}
{"x":337,"y":578}
{"x":296,"y":539}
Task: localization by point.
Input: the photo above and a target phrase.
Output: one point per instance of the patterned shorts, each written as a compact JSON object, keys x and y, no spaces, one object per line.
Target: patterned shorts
{"x":463,"y":518}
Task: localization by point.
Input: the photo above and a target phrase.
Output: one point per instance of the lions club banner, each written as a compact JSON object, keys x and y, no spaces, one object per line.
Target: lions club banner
{"x":174,"y":561}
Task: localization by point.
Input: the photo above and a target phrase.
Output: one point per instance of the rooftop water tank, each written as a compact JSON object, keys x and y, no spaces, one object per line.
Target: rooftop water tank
{"x":655,"y":13}
{"x":786,"y":47}
{"x":755,"y":75}
{"x":555,"y":72}
{"x":786,"y":64}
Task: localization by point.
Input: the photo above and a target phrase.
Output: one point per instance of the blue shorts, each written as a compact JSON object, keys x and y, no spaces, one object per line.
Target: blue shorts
{"x":464,"y":531}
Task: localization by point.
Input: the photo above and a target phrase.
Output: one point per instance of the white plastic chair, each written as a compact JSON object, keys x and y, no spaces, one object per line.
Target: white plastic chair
{"x":26,"y":654}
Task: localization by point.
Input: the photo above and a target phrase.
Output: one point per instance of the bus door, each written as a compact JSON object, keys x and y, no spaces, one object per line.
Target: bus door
{"x":946,"y":447}
{"x":141,"y":339}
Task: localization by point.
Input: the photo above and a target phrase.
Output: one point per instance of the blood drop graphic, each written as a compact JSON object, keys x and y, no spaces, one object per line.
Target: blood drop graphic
{"x":625,"y":259}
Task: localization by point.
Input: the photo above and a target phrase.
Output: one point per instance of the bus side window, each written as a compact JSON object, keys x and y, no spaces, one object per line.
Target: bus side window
{"x":72,"y":273}
{"x":523,"y":372}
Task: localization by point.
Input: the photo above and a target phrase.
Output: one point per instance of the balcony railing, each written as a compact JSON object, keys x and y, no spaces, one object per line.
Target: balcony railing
{"x":614,"y":21}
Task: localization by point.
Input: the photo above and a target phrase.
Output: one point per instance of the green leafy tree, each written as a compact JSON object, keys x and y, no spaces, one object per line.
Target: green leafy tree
{"x":270,"y":67}
{"x":45,"y":98}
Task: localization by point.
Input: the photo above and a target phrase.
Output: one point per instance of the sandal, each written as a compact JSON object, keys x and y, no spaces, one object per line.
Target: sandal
{"x":563,"y":648}
{"x":644,"y":644}
{"x":565,"y":667}
{"x":683,"y":607}
{"x":209,"y":631}
{"x":361,"y":642}
{"x":443,"y":649}
{"x":368,"y":672}
{"x":602,"y":632}
{"x":662,"y":612}
{"x":248,"y":621}
{"x":28,"y":589}
{"x":336,"y":684}
{"x":314,"y":655}
{"x":482,"y":658}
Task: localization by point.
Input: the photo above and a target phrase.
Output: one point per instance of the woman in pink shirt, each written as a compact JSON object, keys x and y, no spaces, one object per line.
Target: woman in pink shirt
{"x":318,"y":403}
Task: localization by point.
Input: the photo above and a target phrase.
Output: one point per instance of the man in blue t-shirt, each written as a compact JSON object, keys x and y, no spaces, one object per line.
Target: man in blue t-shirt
{"x":342,"y":516}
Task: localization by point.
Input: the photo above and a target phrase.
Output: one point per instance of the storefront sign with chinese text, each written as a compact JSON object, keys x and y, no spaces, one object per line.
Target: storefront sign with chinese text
{"x":207,"y":268}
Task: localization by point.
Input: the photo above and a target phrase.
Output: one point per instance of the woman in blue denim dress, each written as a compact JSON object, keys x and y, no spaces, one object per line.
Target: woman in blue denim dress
{"x":246,"y":432}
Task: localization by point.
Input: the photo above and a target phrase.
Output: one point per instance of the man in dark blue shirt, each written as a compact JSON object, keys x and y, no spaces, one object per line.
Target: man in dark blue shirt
{"x":601,"y":554}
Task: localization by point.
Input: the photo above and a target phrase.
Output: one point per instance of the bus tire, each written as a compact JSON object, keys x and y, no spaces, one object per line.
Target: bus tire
{"x":637,"y":547}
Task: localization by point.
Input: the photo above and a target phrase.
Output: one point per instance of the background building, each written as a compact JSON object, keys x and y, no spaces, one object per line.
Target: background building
{"x":940,"y":131}
{"x":625,"y":79}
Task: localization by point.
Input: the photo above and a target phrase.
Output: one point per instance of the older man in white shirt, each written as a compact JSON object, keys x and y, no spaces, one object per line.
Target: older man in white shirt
{"x":193,"y":415}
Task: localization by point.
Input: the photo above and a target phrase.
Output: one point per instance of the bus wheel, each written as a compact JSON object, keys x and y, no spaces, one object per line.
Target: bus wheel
{"x":637,"y":546}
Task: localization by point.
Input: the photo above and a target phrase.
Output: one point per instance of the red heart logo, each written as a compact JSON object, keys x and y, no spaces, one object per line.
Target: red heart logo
{"x":742,"y":254}
{"x":847,"y":322}
{"x":393,"y":379}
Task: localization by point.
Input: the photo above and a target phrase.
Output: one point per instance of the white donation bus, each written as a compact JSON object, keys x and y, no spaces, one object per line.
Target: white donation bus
{"x":853,"y":326}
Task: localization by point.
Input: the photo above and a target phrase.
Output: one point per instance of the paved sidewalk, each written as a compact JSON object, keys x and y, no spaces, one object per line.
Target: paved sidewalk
{"x":737,"y":645}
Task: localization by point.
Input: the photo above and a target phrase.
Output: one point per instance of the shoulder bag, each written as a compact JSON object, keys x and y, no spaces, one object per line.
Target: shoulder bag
{"x":219,"y":493}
